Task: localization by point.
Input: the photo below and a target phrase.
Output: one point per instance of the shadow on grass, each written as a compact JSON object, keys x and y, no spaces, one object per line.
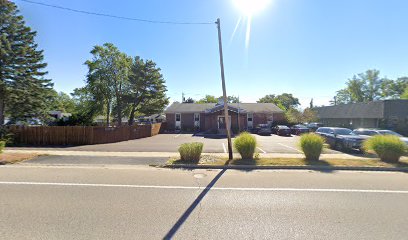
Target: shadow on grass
{"x":244,"y":162}
{"x":190,"y":209}
{"x":325,"y":166}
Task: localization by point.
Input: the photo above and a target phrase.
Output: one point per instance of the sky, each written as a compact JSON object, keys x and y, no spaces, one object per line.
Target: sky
{"x":305,"y":47}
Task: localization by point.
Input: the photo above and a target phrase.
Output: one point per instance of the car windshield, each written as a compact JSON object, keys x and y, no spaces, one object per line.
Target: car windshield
{"x":283,"y":127}
{"x":388,"y":132}
{"x":343,"y":131}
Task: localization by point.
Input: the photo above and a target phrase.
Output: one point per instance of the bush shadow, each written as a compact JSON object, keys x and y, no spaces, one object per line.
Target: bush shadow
{"x":321,"y":165}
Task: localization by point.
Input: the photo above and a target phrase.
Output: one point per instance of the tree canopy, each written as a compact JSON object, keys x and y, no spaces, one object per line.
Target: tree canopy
{"x":23,"y":89}
{"x":284,"y":101}
{"x":124,"y":86}
{"x":369,"y":86}
{"x":213,"y":99}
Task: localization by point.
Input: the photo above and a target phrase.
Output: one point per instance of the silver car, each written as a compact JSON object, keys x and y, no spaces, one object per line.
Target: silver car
{"x":372,"y":132}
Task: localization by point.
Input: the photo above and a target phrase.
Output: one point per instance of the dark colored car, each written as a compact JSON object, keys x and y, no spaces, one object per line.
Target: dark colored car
{"x":341,"y":139}
{"x":263,"y":129}
{"x":299,"y":129}
{"x":314,"y":126}
{"x":282,"y":130}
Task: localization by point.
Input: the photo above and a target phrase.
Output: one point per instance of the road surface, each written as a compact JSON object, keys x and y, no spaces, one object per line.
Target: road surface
{"x":134,"y":202}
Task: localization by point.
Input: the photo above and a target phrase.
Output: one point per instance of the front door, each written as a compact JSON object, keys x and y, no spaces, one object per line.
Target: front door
{"x":221,"y":122}
{"x":178,"y":121}
{"x":197,"y":121}
{"x":250,"y":120}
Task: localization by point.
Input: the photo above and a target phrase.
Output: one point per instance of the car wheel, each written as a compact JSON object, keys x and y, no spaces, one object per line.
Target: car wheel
{"x":339,"y":146}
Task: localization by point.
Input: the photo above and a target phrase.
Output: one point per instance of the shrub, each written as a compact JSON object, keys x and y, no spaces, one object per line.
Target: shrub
{"x":245,"y":144}
{"x":2,"y":145}
{"x":191,"y":152}
{"x":6,"y":136}
{"x":389,"y":148}
{"x":311,"y":145}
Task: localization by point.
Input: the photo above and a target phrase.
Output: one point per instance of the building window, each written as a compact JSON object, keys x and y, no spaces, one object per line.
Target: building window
{"x":250,"y":117}
{"x":178,"y":117}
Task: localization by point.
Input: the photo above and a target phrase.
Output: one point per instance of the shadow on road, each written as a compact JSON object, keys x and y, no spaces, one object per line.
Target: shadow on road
{"x":190,"y":209}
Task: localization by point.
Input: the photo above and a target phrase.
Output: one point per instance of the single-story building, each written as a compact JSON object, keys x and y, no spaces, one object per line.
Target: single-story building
{"x":209,"y":117}
{"x":390,"y":114}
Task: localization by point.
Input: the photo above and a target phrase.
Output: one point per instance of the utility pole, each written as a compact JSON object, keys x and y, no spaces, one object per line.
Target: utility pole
{"x":239,"y":116}
{"x":224,"y":92}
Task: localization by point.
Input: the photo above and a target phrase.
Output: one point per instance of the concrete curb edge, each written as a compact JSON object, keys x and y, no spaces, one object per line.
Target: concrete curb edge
{"x":316,"y":168}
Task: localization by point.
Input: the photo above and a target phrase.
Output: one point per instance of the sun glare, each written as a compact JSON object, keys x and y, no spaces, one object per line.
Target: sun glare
{"x":251,"y":7}
{"x":248,"y":8}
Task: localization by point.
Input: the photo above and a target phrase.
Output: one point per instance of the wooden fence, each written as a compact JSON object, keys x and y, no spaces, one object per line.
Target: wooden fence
{"x":79,"y":135}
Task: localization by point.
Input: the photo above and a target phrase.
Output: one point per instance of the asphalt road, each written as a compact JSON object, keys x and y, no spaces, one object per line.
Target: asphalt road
{"x":148,"y":203}
{"x":97,"y":160}
{"x":171,"y":142}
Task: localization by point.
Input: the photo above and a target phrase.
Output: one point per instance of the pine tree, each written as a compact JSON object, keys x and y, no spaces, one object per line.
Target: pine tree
{"x":23,"y":89}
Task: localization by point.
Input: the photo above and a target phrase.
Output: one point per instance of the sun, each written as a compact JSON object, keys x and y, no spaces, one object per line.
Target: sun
{"x":248,"y":8}
{"x":251,"y":7}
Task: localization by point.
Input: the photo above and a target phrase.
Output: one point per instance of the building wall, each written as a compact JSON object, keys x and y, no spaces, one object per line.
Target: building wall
{"x":396,"y":116}
{"x":209,"y":122}
{"x":351,"y":123}
{"x":170,"y":121}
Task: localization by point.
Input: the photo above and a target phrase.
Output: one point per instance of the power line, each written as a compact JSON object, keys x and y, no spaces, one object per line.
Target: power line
{"x":115,"y":16}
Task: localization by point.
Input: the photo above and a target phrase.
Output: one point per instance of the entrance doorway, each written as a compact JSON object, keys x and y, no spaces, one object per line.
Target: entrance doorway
{"x":221,"y":122}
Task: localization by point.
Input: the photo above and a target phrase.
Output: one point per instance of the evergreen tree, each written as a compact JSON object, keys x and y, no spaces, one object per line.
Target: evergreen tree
{"x":23,"y":90}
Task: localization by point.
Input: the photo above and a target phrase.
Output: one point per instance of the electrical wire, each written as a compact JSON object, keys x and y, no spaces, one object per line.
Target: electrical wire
{"x":117,"y":17}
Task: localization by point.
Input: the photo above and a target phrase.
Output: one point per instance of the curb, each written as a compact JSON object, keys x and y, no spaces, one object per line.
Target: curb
{"x":316,"y":168}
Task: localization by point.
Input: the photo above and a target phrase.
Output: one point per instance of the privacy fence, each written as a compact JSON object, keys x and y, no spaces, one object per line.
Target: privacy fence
{"x":80,"y":135}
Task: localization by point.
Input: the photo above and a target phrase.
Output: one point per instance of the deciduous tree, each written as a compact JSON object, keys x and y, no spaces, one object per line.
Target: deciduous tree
{"x":108,"y":76}
{"x":146,"y":92}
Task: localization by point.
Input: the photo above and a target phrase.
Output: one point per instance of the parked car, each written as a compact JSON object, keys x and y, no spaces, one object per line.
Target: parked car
{"x":314,"y":126}
{"x":263,"y":129}
{"x":373,"y":132}
{"x":282,"y":130}
{"x":341,"y":139}
{"x":299,"y":129}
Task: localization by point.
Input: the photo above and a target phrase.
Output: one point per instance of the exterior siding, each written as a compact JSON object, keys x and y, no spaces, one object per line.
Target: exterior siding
{"x":170,"y":121}
{"x":351,"y":123}
{"x":187,"y":122}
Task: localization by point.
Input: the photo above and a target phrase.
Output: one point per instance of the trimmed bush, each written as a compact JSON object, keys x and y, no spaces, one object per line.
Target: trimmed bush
{"x":191,"y":152}
{"x":311,"y":145}
{"x":245,"y":144}
{"x":389,"y":148}
{"x":2,"y":145}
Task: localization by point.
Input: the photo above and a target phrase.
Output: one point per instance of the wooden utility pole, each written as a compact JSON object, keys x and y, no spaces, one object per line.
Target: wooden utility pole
{"x":224,"y":92}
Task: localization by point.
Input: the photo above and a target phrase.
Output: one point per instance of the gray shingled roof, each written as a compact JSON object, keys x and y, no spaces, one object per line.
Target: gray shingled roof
{"x":353,"y":110}
{"x":202,"y":107}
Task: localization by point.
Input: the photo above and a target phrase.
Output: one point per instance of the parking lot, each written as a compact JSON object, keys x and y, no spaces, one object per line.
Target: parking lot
{"x":171,"y":142}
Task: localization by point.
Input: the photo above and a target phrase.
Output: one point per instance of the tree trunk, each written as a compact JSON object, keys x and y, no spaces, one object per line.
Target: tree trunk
{"x":108,"y":114}
{"x":132,"y":115}
{"x":2,"y":105}
{"x":119,"y":113}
